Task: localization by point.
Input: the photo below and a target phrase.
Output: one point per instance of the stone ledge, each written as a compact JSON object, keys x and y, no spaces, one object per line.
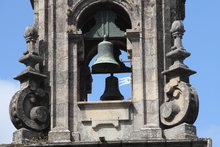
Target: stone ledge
{"x":105,"y":110}
{"x":200,"y":142}
{"x":101,"y":103}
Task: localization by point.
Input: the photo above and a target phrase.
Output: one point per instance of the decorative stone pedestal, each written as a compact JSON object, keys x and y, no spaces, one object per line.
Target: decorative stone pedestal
{"x":60,"y":136}
{"x":144,"y":133}
{"x":180,"y":132}
{"x":24,"y":136}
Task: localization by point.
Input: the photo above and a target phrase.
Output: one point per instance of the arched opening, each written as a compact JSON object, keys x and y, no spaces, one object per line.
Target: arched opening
{"x":86,"y":18}
{"x":95,"y":22}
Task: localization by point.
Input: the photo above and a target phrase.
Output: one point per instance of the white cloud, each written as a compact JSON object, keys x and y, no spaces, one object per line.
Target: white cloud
{"x":7,"y":90}
{"x":213,"y":132}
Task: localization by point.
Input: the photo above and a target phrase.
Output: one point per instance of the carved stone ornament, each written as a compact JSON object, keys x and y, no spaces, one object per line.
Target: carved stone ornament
{"x":181,"y":104}
{"x":29,"y":106}
{"x":30,"y":34}
{"x":28,"y":109}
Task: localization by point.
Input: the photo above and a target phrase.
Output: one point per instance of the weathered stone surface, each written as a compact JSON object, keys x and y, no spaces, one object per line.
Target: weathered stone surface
{"x":159,"y":103}
{"x":108,"y":110}
{"x":58,"y":136}
{"x":181,"y":105}
{"x":29,"y":106}
{"x":25,"y":136}
{"x":28,"y":110}
{"x":181,"y":102}
{"x":146,"y":133}
{"x":127,"y":143}
{"x":181,"y":131}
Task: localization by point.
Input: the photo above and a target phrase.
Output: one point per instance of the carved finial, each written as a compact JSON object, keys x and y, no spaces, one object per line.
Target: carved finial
{"x":31,"y":56}
{"x":177,"y":26}
{"x":178,"y":54}
{"x":177,"y":31}
{"x":31,"y":33}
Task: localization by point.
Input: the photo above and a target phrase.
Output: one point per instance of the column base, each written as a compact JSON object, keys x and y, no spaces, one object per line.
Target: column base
{"x":182,"y":131}
{"x":59,"y":136}
{"x":149,"y":133}
{"x":152,"y":133}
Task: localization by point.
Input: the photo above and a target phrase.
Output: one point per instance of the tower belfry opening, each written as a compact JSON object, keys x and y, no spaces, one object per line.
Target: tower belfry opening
{"x":101,"y":21}
{"x":73,"y":40}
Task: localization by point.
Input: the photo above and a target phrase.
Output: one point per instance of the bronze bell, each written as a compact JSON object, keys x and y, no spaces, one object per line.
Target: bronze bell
{"x":111,"y":89}
{"x":105,"y":62}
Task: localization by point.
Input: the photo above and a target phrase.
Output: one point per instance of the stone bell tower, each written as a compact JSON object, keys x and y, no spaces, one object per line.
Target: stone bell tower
{"x":52,"y":104}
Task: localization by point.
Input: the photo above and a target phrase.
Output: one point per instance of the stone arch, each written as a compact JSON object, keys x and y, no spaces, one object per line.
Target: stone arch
{"x":84,"y":6}
{"x":85,"y":9}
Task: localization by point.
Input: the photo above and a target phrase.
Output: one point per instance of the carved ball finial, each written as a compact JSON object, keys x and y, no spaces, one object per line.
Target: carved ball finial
{"x":177,"y":26}
{"x":31,"y":33}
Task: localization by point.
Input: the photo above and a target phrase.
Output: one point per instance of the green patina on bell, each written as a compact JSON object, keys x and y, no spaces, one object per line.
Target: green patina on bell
{"x":105,"y":62}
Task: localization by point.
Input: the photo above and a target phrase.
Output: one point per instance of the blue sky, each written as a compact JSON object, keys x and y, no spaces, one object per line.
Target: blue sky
{"x":201,"y":39}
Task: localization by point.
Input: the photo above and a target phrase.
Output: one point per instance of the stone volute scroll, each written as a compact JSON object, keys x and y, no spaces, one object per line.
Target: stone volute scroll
{"x":29,"y":106}
{"x":180,"y":107}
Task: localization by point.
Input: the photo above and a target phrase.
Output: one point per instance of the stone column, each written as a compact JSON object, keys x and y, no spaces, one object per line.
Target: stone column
{"x":76,"y":49}
{"x":135,"y":53}
{"x":59,"y":68}
{"x":151,"y":46}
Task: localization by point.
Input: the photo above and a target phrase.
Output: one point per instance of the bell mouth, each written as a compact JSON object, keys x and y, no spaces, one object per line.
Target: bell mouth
{"x":102,"y":68}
